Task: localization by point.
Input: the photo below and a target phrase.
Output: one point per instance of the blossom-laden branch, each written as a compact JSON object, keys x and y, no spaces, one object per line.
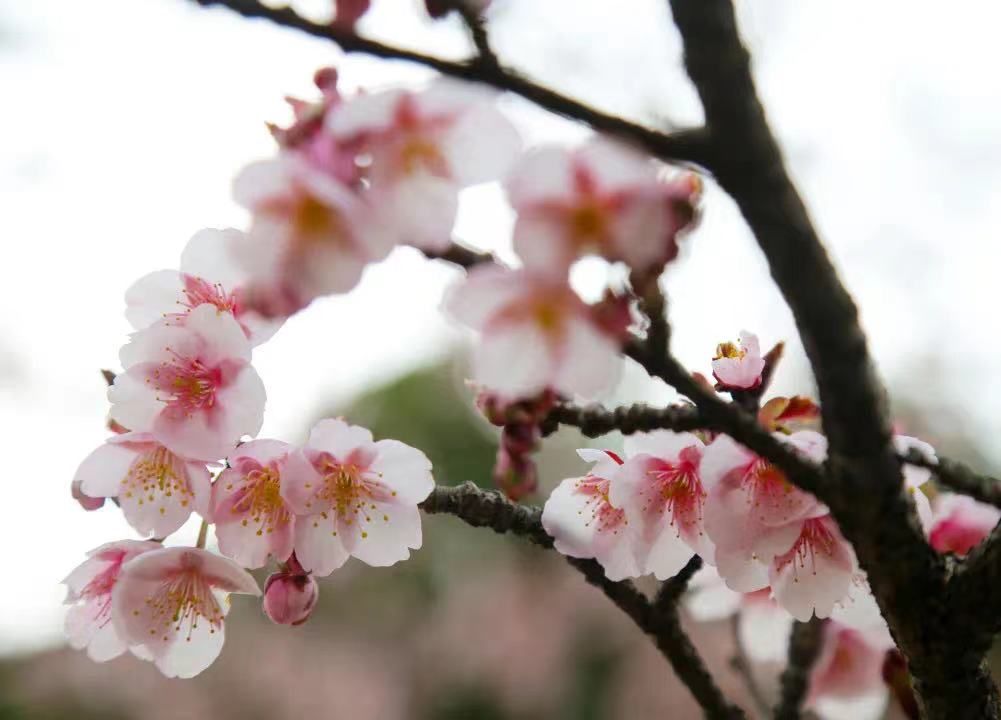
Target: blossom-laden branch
{"x":487,"y":508}
{"x":686,"y":146}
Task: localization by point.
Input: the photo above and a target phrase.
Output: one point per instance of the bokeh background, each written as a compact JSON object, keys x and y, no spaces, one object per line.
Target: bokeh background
{"x":122,"y":123}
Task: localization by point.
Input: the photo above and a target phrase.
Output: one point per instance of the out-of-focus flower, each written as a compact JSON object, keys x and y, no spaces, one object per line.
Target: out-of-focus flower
{"x":349,"y":12}
{"x":515,"y":472}
{"x":89,"y":586}
{"x":208,"y":275}
{"x":535,"y":333}
{"x":156,"y":488}
{"x":603,"y":198}
{"x":168,"y":600}
{"x":421,"y":148}
{"x":440,"y":8}
{"x":290,"y":595}
{"x":788,"y":415}
{"x":739,"y":367}
{"x":355,"y":497}
{"x":661,"y":492}
{"x":846,"y":682}
{"x":960,"y":523}
{"x":252,"y":519}
{"x":310,"y":235}
{"x":191,"y":386}
{"x":583,"y":522}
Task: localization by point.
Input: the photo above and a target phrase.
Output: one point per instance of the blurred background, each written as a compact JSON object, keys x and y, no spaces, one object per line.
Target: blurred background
{"x":123,"y":123}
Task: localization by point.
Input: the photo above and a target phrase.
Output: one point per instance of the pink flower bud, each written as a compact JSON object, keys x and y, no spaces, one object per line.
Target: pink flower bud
{"x":289,"y":598}
{"x":87,"y":502}
{"x":515,"y":475}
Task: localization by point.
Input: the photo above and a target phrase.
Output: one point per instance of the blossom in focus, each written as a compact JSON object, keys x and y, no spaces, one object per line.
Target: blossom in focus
{"x":420,"y":148}
{"x":355,"y":497}
{"x":191,"y":386}
{"x":208,"y":275}
{"x":535,"y":333}
{"x":89,"y":586}
{"x":603,"y":198}
{"x":960,"y":523}
{"x":661,"y":492}
{"x":173,"y":602}
{"x":252,"y":519}
{"x":583,"y":522}
{"x":310,"y":235}
{"x":156,"y":488}
{"x":739,"y":366}
{"x":290,"y":595}
{"x":846,"y":681}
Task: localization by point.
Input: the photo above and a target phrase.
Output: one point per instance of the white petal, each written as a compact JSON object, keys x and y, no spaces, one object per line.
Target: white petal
{"x":152,"y":296}
{"x":514,"y":359}
{"x":591,"y":362}
{"x":404,"y":469}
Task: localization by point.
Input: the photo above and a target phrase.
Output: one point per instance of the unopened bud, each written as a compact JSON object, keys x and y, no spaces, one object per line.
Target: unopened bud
{"x":289,"y":597}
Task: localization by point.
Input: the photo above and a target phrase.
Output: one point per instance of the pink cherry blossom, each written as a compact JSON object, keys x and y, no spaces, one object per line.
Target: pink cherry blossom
{"x":89,"y":587}
{"x":156,"y":489}
{"x":535,"y":333}
{"x":739,"y":367}
{"x":355,"y":497}
{"x":252,"y":519}
{"x":172,"y":601}
{"x":846,"y":681}
{"x":583,"y":522}
{"x":208,"y":275}
{"x":603,"y":198}
{"x":310,"y":234}
{"x":290,"y":595}
{"x":661,"y":492}
{"x":421,"y":148}
{"x":191,"y":386}
{"x":960,"y":523}
{"x":85,"y":501}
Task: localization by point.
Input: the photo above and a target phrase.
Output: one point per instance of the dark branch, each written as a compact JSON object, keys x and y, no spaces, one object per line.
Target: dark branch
{"x":686,"y":146}
{"x":478,"y":34}
{"x":488,"y":508}
{"x":460,"y":255}
{"x":742,"y":664}
{"x":958,"y":477}
{"x":595,"y":420}
{"x":671,"y":590}
{"x":804,"y":646}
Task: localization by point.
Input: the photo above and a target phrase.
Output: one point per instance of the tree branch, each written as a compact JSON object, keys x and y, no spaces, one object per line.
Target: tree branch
{"x":685,"y":146}
{"x":958,"y":477}
{"x":804,"y":646}
{"x":460,"y":255}
{"x":745,"y":668}
{"x":488,"y":508}
{"x":595,"y":420}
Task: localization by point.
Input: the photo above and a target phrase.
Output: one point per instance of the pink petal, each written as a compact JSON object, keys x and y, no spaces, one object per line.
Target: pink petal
{"x":816,"y":573}
{"x":102,"y":472}
{"x":393,"y":531}
{"x":591,"y":363}
{"x":404,"y":469}
{"x":153,"y":296}
{"x":318,"y":546}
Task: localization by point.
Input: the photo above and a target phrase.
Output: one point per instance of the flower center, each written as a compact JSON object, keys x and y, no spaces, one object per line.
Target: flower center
{"x":199,"y":292}
{"x":261,"y":502}
{"x":187,"y":383}
{"x":313,"y":220}
{"x":158,"y":472}
{"x":815,"y":539}
{"x":587,"y":223}
{"x":728,"y":350}
{"x":182,"y":601}
{"x":605,"y":516}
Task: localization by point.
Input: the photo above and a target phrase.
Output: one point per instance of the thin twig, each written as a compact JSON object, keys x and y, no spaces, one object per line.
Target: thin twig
{"x":685,"y":146}
{"x":804,"y":647}
{"x":478,"y":32}
{"x":671,"y":590}
{"x":460,"y":255}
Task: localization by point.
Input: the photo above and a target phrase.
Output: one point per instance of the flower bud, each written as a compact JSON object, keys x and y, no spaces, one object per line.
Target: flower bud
{"x":289,"y":597}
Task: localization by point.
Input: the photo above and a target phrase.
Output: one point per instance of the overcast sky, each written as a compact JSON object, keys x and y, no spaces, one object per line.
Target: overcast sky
{"x":124,"y":121}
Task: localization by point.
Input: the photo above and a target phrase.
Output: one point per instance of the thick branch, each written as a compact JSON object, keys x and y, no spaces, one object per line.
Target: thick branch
{"x":685,"y":146}
{"x":804,"y":646}
{"x":486,"y":508}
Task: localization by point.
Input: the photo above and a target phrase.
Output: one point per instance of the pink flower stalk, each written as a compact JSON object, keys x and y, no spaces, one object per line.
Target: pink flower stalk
{"x":310,"y":234}
{"x":768,"y":532}
{"x":847,"y":678}
{"x":961,"y":523}
{"x":192,"y":386}
{"x":661,"y":492}
{"x":421,"y":148}
{"x":252,"y":519}
{"x":290,"y":595}
{"x":536,"y":333}
{"x":355,"y":497}
{"x":208,"y":275}
{"x":603,"y":198}
{"x":89,"y":587}
{"x":156,"y":488}
{"x":738,"y":367}
{"x":172,"y":601}
{"x":584,"y":523}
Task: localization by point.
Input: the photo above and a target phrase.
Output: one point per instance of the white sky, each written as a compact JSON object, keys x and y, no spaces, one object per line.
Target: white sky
{"x":123,"y":122}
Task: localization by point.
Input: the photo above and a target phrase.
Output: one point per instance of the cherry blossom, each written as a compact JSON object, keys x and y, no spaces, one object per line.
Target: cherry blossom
{"x":310,"y":234}
{"x":960,"y":523}
{"x":192,"y":386}
{"x":85,"y":501}
{"x":252,"y":519}
{"x":583,"y":522}
{"x":89,"y":587}
{"x":421,"y":148}
{"x":208,"y":275}
{"x":355,"y":497}
{"x":739,"y":367}
{"x":661,"y":492}
{"x":603,"y":198}
{"x":173,"y":602}
{"x":535,"y":333}
{"x":290,"y":595}
{"x":156,"y":489}
{"x":846,"y":681}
